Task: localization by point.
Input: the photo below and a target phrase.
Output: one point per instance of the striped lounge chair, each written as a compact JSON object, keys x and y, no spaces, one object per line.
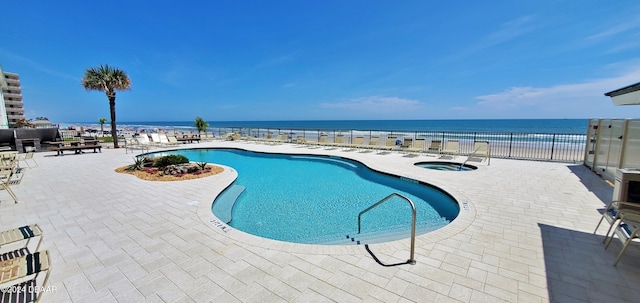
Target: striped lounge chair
{"x":9,"y":238}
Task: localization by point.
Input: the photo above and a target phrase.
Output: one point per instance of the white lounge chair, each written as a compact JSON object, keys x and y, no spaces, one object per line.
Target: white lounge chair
{"x":451,"y":149}
{"x":390,"y":144}
{"x":357,"y":143}
{"x":416,"y":148}
{"x":26,"y":157}
{"x":435,"y":147}
{"x":480,"y":152}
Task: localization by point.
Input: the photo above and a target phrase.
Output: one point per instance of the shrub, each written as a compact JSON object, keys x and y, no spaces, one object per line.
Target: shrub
{"x":202,"y":165}
{"x":170,"y":160}
{"x":138,"y":163}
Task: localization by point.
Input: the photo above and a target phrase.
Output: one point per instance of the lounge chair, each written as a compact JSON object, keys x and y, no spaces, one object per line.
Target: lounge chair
{"x":374,"y":141}
{"x":357,"y":143}
{"x":625,"y":225}
{"x":21,"y":236}
{"x":143,"y":139}
{"x":173,"y":140}
{"x":8,"y":159}
{"x":5,"y":182}
{"x":406,"y":143}
{"x":20,"y":278}
{"x":338,"y":141}
{"x":155,"y":138}
{"x":480,"y":152}
{"x":322,"y":140}
{"x":281,"y":138}
{"x":389,"y":145}
{"x":416,"y":148}
{"x":451,"y":149}
{"x":27,"y":156}
{"x":300,"y":139}
{"x":263,"y":139}
{"x":205,"y":136}
{"x":435,"y":147}
{"x":164,"y":140}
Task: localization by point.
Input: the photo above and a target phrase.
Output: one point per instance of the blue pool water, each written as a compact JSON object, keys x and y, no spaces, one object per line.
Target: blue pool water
{"x":316,"y":199}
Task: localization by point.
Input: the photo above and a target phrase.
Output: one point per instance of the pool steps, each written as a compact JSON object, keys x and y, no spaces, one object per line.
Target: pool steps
{"x":224,"y":203}
{"x":377,"y":236}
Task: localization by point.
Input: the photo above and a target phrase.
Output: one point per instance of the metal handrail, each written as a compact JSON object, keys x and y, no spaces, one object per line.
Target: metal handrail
{"x":413,"y":225}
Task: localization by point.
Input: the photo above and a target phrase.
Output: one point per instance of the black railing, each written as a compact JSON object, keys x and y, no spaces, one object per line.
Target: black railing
{"x":524,"y":146}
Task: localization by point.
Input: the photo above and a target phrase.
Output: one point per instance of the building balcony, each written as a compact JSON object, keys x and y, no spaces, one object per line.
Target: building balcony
{"x":12,"y":95}
{"x":13,"y":103}
{"x":8,"y":75}
{"x":15,"y":118}
{"x":15,"y":111}
{"x":12,"y":82}
{"x":12,"y":89}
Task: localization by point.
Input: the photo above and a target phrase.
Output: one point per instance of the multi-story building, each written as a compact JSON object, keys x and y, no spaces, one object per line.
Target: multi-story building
{"x":12,"y":108}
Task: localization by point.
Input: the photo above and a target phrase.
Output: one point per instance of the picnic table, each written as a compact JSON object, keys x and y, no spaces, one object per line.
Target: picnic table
{"x":77,"y":146}
{"x":188,"y":139}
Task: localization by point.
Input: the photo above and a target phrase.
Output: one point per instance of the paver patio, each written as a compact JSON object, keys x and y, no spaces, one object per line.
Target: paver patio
{"x":526,"y":236}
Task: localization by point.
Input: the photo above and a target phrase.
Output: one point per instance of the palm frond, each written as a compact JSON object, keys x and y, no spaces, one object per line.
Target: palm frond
{"x":105,"y":78}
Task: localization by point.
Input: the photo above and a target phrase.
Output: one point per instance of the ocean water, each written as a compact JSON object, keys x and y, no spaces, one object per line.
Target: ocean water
{"x":538,"y":126}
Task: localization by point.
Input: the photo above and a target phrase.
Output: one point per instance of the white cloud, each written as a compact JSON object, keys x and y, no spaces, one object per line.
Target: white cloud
{"x":508,"y":31}
{"x":36,"y":65}
{"x":519,"y":97}
{"x":624,"y":25}
{"x":377,"y":104}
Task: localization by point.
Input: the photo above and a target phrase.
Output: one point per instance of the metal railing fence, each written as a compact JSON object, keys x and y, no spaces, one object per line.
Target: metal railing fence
{"x":508,"y":145}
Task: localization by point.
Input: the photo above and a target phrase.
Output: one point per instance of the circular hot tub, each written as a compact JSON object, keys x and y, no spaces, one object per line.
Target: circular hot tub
{"x":446,"y":166}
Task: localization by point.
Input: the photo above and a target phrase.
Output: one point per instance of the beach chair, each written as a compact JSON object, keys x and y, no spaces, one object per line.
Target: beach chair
{"x":374,"y":141}
{"x":625,"y":225}
{"x":435,"y":147}
{"x":18,"y":239}
{"x":480,"y":152}
{"x":21,"y":278}
{"x":26,"y":157}
{"x":5,"y":182}
{"x":155,"y":139}
{"x":406,"y":143}
{"x":337,"y":142}
{"x":357,"y":143}
{"x":300,"y":141}
{"x":416,"y":148}
{"x":263,"y":139}
{"x":451,"y":149}
{"x":390,"y":144}
{"x":143,"y":139}
{"x":321,"y":141}
{"x":8,"y":159}
{"x":164,"y":140}
{"x":281,"y":138}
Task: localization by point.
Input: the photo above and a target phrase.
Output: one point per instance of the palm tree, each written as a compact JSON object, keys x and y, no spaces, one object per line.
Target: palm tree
{"x":108,"y":80}
{"x":201,"y":125}
{"x":102,"y":121}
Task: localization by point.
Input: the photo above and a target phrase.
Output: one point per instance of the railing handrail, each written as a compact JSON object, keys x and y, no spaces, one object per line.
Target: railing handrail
{"x":563,"y":147}
{"x":413,"y":221}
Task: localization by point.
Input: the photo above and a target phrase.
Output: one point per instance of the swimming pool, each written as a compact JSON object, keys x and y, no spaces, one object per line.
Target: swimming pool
{"x":317,"y":199}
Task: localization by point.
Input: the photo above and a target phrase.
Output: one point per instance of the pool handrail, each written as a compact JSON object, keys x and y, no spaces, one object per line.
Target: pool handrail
{"x":411,"y":260}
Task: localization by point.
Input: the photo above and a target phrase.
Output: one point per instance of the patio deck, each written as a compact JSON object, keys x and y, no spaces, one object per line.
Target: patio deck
{"x":526,"y":236}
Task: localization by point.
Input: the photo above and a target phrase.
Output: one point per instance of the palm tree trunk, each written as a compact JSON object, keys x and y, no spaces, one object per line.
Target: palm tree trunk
{"x":112,"y":107}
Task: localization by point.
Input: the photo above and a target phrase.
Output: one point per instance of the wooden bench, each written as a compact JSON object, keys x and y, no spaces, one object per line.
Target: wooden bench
{"x":76,"y":148}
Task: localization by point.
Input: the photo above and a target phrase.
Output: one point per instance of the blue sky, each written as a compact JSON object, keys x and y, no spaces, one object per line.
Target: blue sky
{"x":325,"y":60}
